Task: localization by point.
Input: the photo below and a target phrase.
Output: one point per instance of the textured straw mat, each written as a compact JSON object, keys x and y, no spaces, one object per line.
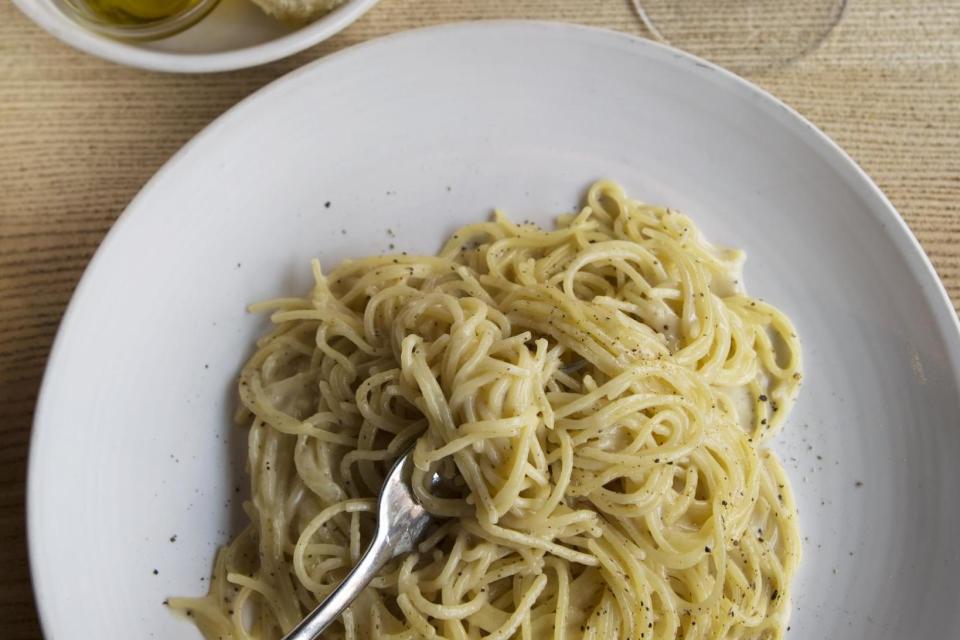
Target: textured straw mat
{"x":79,"y":136}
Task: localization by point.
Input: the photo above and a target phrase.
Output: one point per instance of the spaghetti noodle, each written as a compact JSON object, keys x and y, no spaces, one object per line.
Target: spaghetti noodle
{"x":598,"y":398}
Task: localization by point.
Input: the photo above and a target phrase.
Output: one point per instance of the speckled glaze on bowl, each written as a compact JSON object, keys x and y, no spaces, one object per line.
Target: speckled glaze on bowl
{"x":422,"y":132}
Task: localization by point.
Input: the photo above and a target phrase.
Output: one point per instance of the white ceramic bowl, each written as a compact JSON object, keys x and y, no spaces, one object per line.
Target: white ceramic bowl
{"x":235,"y":35}
{"x":133,"y":443}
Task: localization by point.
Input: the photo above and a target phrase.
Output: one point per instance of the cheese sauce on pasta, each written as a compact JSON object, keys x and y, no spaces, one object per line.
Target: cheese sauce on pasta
{"x":598,"y":398}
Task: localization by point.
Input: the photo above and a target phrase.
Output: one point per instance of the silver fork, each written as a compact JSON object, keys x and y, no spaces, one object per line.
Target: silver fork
{"x":401,"y":523}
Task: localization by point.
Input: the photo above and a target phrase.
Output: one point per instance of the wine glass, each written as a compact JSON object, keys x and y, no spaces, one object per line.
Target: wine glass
{"x":743,"y":35}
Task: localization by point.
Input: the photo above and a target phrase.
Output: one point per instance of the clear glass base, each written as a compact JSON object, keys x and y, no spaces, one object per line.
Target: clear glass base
{"x":743,"y":35}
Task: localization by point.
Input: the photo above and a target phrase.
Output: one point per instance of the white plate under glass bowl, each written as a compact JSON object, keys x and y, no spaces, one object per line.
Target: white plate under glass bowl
{"x":422,"y":132}
{"x":235,"y":35}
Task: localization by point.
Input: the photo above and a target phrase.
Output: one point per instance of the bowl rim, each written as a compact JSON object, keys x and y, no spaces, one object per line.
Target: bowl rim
{"x":51,"y":19}
{"x":882,"y":209}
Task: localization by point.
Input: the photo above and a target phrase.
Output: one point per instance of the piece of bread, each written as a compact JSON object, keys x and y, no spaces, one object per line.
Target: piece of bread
{"x":298,"y":10}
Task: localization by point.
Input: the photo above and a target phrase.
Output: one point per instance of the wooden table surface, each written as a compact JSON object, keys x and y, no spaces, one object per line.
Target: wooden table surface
{"x":80,"y":136}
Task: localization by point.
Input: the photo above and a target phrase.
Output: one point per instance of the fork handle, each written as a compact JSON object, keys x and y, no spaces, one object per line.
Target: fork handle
{"x":380,"y":551}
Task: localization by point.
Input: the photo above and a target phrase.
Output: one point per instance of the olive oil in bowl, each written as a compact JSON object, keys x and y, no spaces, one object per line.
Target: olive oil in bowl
{"x":137,"y":11}
{"x":138,"y":19}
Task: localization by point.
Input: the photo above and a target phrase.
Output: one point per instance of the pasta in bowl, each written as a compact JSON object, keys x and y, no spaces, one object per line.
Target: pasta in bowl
{"x":598,"y":397}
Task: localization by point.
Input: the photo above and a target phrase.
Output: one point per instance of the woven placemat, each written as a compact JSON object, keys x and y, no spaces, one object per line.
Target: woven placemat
{"x":79,"y":137}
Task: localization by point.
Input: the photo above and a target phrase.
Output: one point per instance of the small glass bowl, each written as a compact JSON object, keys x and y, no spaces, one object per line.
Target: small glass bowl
{"x":81,"y":12}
